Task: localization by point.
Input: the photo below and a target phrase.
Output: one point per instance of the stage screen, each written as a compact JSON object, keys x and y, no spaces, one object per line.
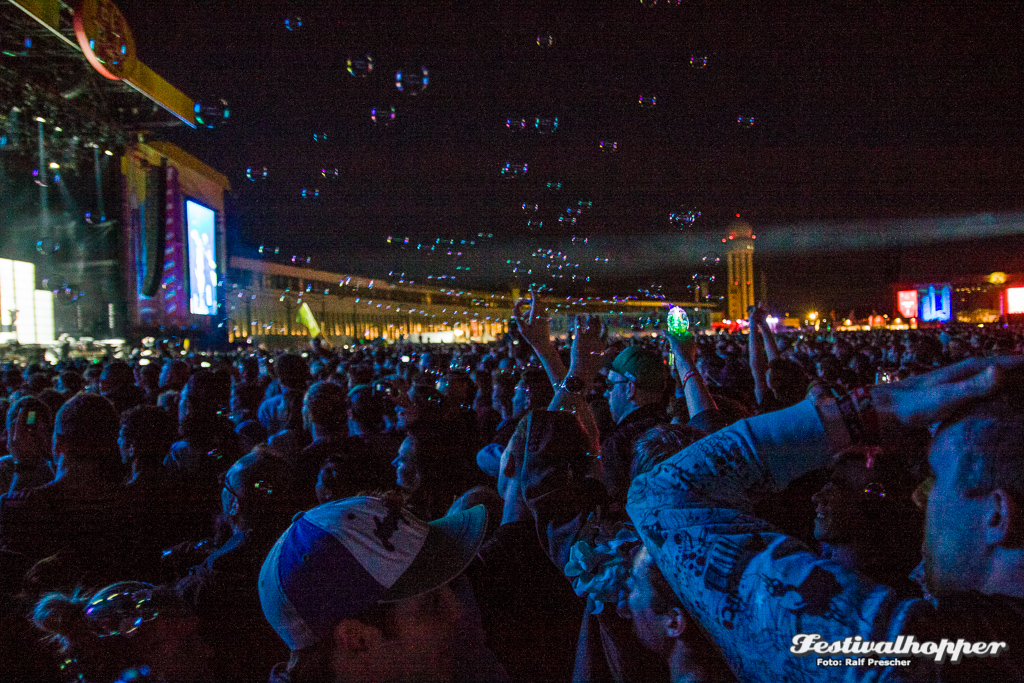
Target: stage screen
{"x":200,"y":223}
{"x":906,"y":303}
{"x":1014,"y":300}
{"x":935,"y":303}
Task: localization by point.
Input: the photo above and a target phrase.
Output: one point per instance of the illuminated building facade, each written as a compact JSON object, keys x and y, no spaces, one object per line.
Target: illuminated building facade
{"x":740,"y":270}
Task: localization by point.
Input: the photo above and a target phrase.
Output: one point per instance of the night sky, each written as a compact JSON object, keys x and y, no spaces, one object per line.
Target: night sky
{"x":886,"y":142}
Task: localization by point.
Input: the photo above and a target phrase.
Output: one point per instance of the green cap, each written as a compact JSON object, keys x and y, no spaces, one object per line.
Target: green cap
{"x":644,"y":368}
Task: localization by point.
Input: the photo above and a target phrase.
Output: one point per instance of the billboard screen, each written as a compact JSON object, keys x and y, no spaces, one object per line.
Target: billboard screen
{"x":906,"y":303}
{"x":200,"y":223}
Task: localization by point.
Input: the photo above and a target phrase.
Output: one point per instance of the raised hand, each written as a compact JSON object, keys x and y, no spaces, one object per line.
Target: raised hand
{"x":534,"y":322}
{"x":935,"y":396}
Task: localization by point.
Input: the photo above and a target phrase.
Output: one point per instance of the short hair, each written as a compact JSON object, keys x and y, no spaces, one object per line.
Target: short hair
{"x":325,"y":405}
{"x":292,"y":371}
{"x":367,"y":407}
{"x":539,"y":386}
{"x":992,"y":452}
{"x":88,"y":423}
{"x":118,"y":371}
{"x":71,"y":381}
{"x":151,"y":430}
{"x":658,"y":443}
{"x":30,"y":403}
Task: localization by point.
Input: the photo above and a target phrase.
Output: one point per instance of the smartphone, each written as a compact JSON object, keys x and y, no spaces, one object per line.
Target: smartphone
{"x":31,"y":418}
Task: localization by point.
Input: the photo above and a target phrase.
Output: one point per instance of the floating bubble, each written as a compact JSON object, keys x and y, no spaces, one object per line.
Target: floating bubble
{"x":545,"y":40}
{"x":320,"y":136}
{"x":47,"y":246}
{"x":515,"y":125}
{"x":530,"y":208}
{"x":684,"y":217}
{"x":255,"y":173}
{"x":535,"y":224}
{"x":212,"y":115}
{"x":648,"y":100}
{"x":359,"y":67}
{"x":699,"y":60}
{"x":382,"y":116}
{"x":567,"y":220}
{"x":710,"y":260}
{"x":309,"y":193}
{"x":293,"y":23}
{"x":745,"y":121}
{"x":545,"y":124}
{"x":513,"y":169}
{"x":608,"y":146}
{"x":554,"y":185}
{"x":329,"y":173}
{"x":412,"y":81}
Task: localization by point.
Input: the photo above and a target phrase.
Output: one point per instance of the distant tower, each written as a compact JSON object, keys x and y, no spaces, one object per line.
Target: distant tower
{"x":740,"y":265}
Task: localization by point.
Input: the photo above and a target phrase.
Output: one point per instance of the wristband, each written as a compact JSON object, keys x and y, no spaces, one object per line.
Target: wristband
{"x":688,"y":376}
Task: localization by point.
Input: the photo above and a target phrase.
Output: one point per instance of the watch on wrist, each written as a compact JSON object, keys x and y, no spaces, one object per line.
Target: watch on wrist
{"x":573,"y":384}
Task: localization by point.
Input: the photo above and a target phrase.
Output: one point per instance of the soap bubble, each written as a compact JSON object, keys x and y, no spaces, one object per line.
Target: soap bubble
{"x":534,"y":224}
{"x":648,"y":100}
{"x":382,"y":115}
{"x":545,"y":40}
{"x":710,"y":260}
{"x":310,"y":193}
{"x":212,"y":115}
{"x":513,"y":169}
{"x":530,"y":208}
{"x":515,"y":125}
{"x":745,"y":120}
{"x":699,"y":60}
{"x":359,"y":66}
{"x":608,"y":146}
{"x":293,"y":23}
{"x":255,"y":173}
{"x":554,"y":185}
{"x":320,"y":136}
{"x":47,"y":246}
{"x":412,"y":81}
{"x":329,"y":173}
{"x":684,"y":217}
{"x":545,"y":124}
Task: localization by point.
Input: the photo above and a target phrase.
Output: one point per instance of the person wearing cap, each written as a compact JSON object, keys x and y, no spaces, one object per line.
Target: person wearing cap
{"x":636,"y":383}
{"x":358,"y":589}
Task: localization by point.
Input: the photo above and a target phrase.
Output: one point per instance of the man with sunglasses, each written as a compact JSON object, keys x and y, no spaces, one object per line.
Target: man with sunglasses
{"x":779,"y":613}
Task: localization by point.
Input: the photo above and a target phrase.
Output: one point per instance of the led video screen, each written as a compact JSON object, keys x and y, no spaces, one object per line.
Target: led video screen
{"x":200,"y":223}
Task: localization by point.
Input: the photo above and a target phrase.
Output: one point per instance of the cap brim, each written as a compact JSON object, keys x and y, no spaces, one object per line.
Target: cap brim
{"x":452,"y":543}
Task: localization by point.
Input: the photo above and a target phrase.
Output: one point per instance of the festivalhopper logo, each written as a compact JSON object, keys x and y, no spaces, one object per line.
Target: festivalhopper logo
{"x":812,"y":643}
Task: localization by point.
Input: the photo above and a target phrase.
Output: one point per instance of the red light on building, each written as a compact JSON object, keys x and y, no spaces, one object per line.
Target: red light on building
{"x":906,"y":303}
{"x":1014,"y":300}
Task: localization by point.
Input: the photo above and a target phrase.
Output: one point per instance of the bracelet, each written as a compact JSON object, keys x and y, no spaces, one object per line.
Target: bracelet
{"x":688,"y":376}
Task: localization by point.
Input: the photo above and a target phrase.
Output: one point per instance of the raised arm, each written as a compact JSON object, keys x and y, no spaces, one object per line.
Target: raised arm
{"x":684,"y":352}
{"x":535,"y":325}
{"x":756,"y":352}
{"x":752,"y":589}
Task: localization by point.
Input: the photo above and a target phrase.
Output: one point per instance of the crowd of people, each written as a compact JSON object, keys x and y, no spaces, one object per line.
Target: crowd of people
{"x":752,"y":507}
